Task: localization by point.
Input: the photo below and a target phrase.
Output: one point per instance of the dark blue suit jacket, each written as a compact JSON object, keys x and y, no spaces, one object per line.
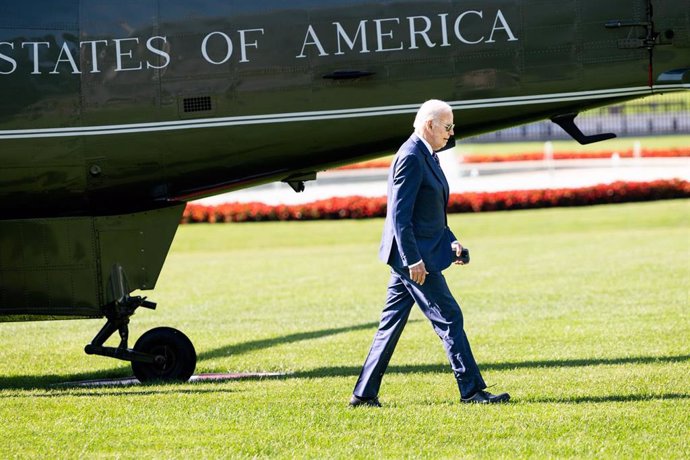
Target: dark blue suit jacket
{"x":416,"y":225}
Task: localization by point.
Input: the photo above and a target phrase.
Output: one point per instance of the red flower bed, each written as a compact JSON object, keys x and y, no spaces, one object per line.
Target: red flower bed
{"x":617,"y":192}
{"x":378,"y":163}
{"x":536,"y":156}
{"x":357,"y":207}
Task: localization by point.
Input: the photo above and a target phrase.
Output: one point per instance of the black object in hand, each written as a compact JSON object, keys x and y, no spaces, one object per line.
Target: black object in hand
{"x":464,"y":256}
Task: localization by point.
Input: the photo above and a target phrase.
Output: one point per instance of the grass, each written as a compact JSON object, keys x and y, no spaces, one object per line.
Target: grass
{"x":660,"y":103}
{"x":581,"y":314}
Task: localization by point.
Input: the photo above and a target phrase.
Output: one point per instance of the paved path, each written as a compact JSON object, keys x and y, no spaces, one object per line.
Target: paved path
{"x":480,"y":177}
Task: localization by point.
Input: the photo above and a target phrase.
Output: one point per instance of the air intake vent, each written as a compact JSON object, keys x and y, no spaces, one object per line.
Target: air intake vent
{"x":196,"y":104}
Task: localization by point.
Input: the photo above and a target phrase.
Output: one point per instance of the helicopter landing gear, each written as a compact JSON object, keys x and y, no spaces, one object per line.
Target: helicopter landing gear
{"x":162,"y":353}
{"x":174,"y":352}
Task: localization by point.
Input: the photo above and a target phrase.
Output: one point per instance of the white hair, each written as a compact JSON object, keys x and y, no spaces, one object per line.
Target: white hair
{"x":430,"y":110}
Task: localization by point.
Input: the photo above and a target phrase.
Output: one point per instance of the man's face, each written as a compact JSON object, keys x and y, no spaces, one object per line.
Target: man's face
{"x":439,"y":130}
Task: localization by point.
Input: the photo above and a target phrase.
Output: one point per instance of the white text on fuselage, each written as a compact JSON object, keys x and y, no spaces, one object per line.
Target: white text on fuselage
{"x":218,"y":47}
{"x":418,"y":33}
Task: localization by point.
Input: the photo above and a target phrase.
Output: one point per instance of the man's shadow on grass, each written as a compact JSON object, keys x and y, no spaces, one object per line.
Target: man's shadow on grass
{"x":609,"y":398}
{"x":348,"y":371}
{"x":353,"y":371}
{"x":28,"y":382}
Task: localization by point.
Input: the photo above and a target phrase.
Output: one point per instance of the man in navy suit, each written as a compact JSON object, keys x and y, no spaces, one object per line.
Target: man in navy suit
{"x":418,"y":246}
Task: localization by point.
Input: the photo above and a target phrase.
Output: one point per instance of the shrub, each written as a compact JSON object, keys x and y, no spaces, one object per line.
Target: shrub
{"x":358,"y":207}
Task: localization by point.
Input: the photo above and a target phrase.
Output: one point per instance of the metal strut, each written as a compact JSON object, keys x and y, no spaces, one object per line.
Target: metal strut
{"x":567,"y":122}
{"x":118,"y":314}
{"x":118,"y":320}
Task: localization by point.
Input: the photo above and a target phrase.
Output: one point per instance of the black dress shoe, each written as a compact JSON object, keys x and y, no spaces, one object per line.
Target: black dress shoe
{"x":356,"y":401}
{"x":484,"y":397}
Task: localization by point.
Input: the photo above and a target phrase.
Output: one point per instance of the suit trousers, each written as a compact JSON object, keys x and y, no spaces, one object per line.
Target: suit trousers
{"x":438,"y":305}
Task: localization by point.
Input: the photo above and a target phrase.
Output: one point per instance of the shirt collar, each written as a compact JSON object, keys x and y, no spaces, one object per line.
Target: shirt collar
{"x":426,"y":144}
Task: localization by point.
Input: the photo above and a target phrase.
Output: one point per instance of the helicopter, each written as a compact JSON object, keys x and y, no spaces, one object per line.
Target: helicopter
{"x":115,"y":114}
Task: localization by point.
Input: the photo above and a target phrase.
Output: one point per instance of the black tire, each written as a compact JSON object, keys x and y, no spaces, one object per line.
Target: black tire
{"x":179,"y":353}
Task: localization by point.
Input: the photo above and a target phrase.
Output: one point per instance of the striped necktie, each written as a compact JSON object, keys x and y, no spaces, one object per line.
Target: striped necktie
{"x":435,"y":157}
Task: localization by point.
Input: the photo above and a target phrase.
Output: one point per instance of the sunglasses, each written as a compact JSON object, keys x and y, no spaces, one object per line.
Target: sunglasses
{"x":449,"y":127}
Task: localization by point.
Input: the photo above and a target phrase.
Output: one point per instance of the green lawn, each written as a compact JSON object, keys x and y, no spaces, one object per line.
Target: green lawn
{"x":660,"y":103}
{"x":581,"y":314}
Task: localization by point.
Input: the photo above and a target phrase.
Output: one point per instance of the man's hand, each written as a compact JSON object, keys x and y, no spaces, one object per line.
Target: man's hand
{"x":457,"y":247}
{"x":418,"y":273}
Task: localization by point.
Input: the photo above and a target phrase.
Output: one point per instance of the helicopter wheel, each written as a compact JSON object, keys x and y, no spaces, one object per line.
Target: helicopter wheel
{"x":174,"y":352}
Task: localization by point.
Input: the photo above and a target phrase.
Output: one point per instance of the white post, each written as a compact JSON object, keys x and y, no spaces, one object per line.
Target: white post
{"x":548,"y":151}
{"x":637,"y":150}
{"x":548,"y":158}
